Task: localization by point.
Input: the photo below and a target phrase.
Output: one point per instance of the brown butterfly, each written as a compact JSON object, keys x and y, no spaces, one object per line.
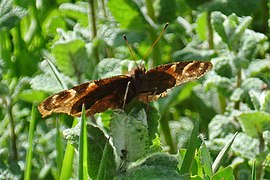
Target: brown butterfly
{"x":114,"y":92}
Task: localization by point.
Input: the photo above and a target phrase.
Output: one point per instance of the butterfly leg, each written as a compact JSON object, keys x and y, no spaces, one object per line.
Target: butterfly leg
{"x":125,"y":96}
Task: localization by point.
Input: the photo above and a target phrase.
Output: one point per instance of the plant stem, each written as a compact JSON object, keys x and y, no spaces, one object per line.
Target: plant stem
{"x":103,"y":6}
{"x":259,"y":168}
{"x":150,"y":10}
{"x":222,"y":103}
{"x":265,"y":15}
{"x":210,"y":31}
{"x":238,"y":84}
{"x":164,"y":124}
{"x":156,"y":52}
{"x":92,"y":15}
{"x":13,"y":136}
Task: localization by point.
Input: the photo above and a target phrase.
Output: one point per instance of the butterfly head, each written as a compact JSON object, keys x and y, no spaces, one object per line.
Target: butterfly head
{"x":139,"y":73}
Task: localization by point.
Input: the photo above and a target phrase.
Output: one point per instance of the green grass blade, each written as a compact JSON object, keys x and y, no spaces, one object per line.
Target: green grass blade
{"x":82,"y":166}
{"x":66,"y":170}
{"x":253,"y":173}
{"x":29,"y":155}
{"x":222,"y":154}
{"x":206,"y":161}
{"x":59,"y":149}
{"x":54,"y":69}
{"x":189,"y":156}
{"x":102,"y":166}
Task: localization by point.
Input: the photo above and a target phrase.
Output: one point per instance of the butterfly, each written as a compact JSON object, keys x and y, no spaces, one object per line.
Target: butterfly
{"x":114,"y":92}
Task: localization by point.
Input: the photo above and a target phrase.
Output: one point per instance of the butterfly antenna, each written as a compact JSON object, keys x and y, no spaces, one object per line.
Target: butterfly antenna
{"x":159,"y":36}
{"x":129,"y":48}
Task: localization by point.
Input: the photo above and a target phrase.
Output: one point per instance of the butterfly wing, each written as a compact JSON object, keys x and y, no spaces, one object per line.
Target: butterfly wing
{"x":161,"y":78}
{"x":97,"y":96}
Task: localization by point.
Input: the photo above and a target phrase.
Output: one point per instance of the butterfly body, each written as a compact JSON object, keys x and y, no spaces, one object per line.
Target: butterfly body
{"x":110,"y":93}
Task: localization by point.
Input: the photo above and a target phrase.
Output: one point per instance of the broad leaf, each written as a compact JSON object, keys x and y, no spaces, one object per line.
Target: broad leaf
{"x":254,"y":122}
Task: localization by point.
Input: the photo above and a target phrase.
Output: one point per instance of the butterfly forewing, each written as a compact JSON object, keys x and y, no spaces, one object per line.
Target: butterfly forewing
{"x":184,"y":71}
{"x":98,"y":96}
{"x":164,"y":77}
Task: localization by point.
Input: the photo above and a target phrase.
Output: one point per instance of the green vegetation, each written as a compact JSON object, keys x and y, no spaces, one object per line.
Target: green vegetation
{"x":213,"y":128}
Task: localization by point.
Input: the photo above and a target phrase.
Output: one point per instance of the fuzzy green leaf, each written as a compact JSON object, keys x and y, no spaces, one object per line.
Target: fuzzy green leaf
{"x":254,"y":123}
{"x":128,"y":14}
{"x":130,"y":136}
{"x":166,"y":11}
{"x":157,"y":166}
{"x":191,"y":54}
{"x":225,"y":174}
{"x":78,"y":11}
{"x":251,"y":43}
{"x":246,"y":146}
{"x":10,"y":16}
{"x":96,"y":144}
{"x":206,"y":160}
{"x":265,"y":106}
{"x":220,"y":126}
{"x":111,"y":67}
{"x":70,"y":56}
{"x":231,"y":6}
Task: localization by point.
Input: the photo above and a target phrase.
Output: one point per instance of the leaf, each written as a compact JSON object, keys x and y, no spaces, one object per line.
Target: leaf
{"x":225,"y":174}
{"x":231,"y":6}
{"x":204,"y":101}
{"x":111,"y":67}
{"x":258,"y":67}
{"x":222,"y":154}
{"x":189,"y":53}
{"x":156,"y":145}
{"x":96,"y":144}
{"x":31,"y":96}
{"x":70,"y":56}
{"x":10,"y":16}
{"x":181,"y":131}
{"x":165,"y":11}
{"x":130,"y":136}
{"x":53,"y":22}
{"x":246,"y":146}
{"x":157,"y":166}
{"x":254,"y":123}
{"x":29,"y":154}
{"x":206,"y":160}
{"x":251,"y":43}
{"x":255,"y":99}
{"x":128,"y":14}
{"x":78,"y":11}
{"x":230,"y":29}
{"x":252,"y":84}
{"x":253,"y":172}
{"x":265,"y":103}
{"x":217,"y":22}
{"x":201,"y":26}
{"x":237,"y":95}
{"x":147,"y":114}
{"x":48,"y":83}
{"x":191,"y":148}
{"x":82,"y":149}
{"x":261,"y":69}
{"x":68,"y":158}
{"x":220,"y":126}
